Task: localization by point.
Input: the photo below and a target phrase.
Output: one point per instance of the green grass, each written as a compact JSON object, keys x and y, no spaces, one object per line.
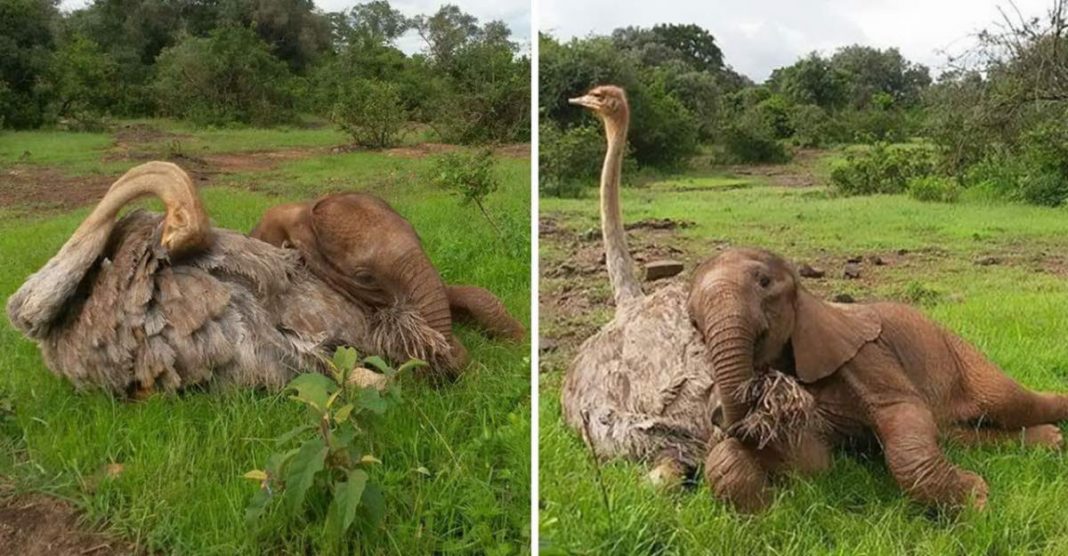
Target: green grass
{"x":181,"y":489}
{"x":1014,"y":312}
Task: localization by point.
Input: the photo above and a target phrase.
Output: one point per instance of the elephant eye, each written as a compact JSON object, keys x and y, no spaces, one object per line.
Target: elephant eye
{"x":764,"y":281}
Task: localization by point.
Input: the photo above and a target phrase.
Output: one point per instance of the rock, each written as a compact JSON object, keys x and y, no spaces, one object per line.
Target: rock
{"x":843,"y":298}
{"x":987,"y":261}
{"x":656,"y":270}
{"x":807,"y":271}
{"x":852,"y":271}
{"x":876,"y":260}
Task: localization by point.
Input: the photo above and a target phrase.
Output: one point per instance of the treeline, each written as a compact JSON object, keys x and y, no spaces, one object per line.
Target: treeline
{"x":262,"y":62}
{"x":993,"y":126}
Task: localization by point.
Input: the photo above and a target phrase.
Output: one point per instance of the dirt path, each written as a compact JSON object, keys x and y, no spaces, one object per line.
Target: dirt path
{"x":39,"y":525}
{"x":801,"y":171}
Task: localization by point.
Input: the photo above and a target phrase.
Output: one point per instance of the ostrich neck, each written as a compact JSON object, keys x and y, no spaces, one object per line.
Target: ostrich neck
{"x":617,"y":256}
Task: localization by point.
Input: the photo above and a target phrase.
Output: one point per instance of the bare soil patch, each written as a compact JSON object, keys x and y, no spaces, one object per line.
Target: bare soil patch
{"x":39,"y":525}
{"x":422,"y":150}
{"x":799,"y":172}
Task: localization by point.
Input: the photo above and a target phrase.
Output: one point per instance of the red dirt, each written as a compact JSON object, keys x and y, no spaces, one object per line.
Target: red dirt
{"x":39,"y":525}
{"x":799,"y":172}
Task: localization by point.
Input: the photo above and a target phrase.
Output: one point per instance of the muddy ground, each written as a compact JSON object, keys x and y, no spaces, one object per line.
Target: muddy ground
{"x":40,"y":525}
{"x":35,"y":187}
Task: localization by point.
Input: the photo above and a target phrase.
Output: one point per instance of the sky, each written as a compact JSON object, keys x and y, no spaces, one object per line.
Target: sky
{"x":757,"y":36}
{"x":515,"y":13}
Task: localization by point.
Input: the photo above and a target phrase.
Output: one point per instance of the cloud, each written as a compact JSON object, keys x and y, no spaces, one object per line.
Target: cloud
{"x":758,"y":36}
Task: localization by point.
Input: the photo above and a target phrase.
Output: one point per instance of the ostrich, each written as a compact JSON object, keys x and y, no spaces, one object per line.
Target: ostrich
{"x":161,"y":302}
{"x":641,"y":388}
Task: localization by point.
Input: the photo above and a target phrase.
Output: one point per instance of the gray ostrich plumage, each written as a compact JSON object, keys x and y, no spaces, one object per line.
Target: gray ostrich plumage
{"x":161,"y":302}
{"x":640,"y":388}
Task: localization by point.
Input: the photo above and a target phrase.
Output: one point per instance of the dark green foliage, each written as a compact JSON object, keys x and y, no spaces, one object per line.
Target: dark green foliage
{"x":371,"y":112}
{"x":568,"y":161}
{"x":934,"y":188}
{"x":753,"y":137}
{"x":82,"y":77}
{"x":230,"y":76}
{"x":880,"y":169}
{"x":26,"y":44}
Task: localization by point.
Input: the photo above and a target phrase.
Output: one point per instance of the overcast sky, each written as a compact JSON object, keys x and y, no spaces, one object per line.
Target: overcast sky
{"x":757,"y":36}
{"x":515,"y":13}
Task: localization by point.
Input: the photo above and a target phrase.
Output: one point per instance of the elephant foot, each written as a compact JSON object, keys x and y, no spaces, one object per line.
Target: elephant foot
{"x":974,"y":489}
{"x":1045,"y":436}
{"x":736,"y":476}
{"x":667,"y":474}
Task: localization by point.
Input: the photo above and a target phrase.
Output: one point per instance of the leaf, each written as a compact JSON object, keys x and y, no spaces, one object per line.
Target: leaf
{"x":256,"y":475}
{"x":347,"y":497}
{"x":313,"y":389}
{"x":291,"y":434}
{"x":370,"y":399}
{"x":343,"y":414}
{"x":412,"y":364}
{"x":345,"y":358}
{"x":301,"y":470}
{"x":378,"y":363}
{"x":373,"y":503}
{"x":422,"y":471}
{"x":369,"y":459}
{"x":257,"y":505}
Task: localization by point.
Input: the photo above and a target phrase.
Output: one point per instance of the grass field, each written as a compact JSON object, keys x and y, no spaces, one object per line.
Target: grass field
{"x":996,"y":274}
{"x":180,"y":490}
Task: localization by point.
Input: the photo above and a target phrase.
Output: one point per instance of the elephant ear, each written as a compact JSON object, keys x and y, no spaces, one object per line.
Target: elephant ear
{"x":827,"y":335}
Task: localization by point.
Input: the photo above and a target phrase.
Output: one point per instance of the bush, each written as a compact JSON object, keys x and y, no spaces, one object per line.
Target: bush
{"x":753,"y":138}
{"x":568,"y":161}
{"x":813,"y":126}
{"x":934,"y":188}
{"x":472,"y":176}
{"x":880,"y":169}
{"x":371,"y":112}
{"x":230,"y":76}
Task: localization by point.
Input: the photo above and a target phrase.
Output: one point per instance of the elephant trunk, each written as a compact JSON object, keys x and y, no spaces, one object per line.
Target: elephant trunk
{"x":731,"y":346}
{"x":425,"y":290}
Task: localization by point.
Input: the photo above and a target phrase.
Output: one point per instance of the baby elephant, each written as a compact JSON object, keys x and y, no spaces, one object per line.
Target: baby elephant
{"x":880,"y":368}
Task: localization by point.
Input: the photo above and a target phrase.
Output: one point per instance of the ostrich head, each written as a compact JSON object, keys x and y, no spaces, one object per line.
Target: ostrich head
{"x":607,"y":101}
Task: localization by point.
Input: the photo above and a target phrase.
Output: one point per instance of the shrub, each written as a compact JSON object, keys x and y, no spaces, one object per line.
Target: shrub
{"x":813,"y":126}
{"x":934,"y":188}
{"x":472,"y":176}
{"x":229,"y":76}
{"x":568,"y":161}
{"x":325,"y":476}
{"x":371,"y":112}
{"x":753,"y":138}
{"x":880,"y":169}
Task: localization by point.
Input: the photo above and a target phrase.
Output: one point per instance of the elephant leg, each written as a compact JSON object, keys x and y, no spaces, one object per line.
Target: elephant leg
{"x":481,"y":306}
{"x":1046,"y":436}
{"x":737,"y":476}
{"x":909,"y":436}
{"x":810,"y":455}
{"x":1000,"y":399}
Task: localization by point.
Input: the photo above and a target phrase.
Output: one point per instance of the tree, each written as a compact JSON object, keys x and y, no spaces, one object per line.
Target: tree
{"x":445,"y":33}
{"x":229,"y":76}
{"x":26,"y":46}
{"x":811,"y":80}
{"x":82,"y":77}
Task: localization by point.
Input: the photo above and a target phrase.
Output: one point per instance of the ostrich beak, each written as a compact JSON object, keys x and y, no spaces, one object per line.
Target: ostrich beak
{"x":585,"y":100}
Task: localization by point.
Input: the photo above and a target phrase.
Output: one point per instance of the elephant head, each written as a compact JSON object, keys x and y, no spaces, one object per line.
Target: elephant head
{"x":361,"y":246}
{"x":753,"y":313}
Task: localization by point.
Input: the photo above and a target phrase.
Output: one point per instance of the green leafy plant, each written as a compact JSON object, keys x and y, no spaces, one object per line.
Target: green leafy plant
{"x":471,"y":175}
{"x":371,"y":112}
{"x":881,"y":169}
{"x":322,"y":472}
{"x":934,"y":188}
